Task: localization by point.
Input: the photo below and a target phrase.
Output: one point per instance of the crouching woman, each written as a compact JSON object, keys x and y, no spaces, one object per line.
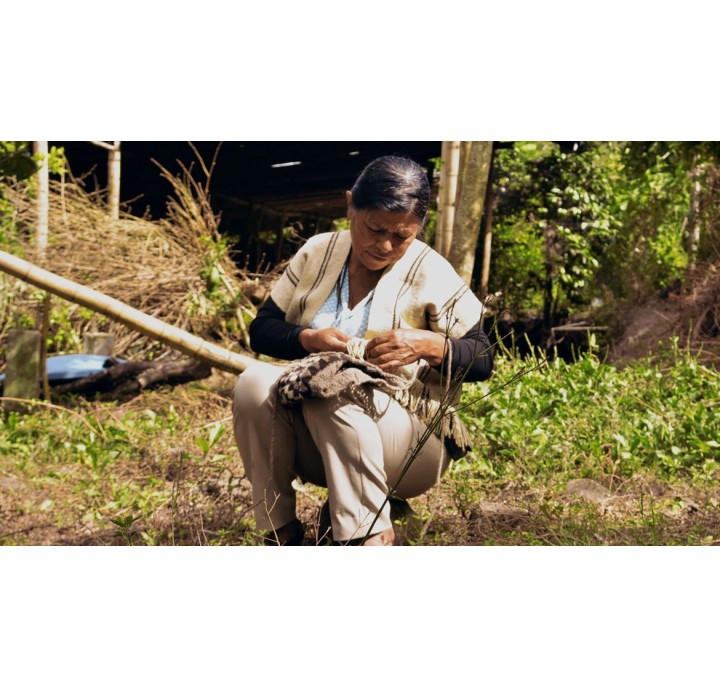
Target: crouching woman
{"x":384,"y":331}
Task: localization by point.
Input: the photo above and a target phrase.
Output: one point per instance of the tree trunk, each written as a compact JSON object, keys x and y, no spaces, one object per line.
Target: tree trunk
{"x":43,"y":199}
{"x":549,"y":235}
{"x":121,"y":380}
{"x":694,"y":234}
{"x":447,"y":196}
{"x":474,"y":175}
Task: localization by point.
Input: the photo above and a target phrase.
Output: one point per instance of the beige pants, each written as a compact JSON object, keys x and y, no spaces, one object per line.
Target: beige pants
{"x":333,"y":443}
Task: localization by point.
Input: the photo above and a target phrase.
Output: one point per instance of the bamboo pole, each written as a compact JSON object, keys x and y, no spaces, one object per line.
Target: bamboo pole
{"x":174,"y":337}
{"x":40,"y":148}
{"x":113,"y":201}
{"x":475,"y":158}
{"x":447,"y":196}
{"x":114,"y":181}
{"x":488,"y":232}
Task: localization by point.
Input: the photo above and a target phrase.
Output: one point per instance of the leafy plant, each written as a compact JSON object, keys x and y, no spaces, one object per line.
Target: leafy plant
{"x":594,"y":419}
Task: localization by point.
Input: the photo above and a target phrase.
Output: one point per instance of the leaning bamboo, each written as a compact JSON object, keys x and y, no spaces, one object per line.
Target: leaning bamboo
{"x":174,"y":337}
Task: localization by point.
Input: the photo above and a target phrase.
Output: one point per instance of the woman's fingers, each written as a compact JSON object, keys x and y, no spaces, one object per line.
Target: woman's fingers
{"x":328,"y":339}
{"x":336,"y":339}
{"x":394,"y":348}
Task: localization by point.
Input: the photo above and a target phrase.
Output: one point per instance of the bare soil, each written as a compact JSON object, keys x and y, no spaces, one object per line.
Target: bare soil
{"x":690,"y":312}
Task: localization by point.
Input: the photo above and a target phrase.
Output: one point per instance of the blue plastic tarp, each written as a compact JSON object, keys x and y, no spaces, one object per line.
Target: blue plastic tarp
{"x":74,"y":366}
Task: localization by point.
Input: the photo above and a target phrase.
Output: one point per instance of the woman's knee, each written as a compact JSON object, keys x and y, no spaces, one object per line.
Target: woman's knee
{"x":254,"y":388}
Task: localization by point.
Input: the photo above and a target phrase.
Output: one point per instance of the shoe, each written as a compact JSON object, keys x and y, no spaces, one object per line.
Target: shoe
{"x":385,"y":538}
{"x":324,"y":527}
{"x":290,"y":535}
{"x":399,"y":509}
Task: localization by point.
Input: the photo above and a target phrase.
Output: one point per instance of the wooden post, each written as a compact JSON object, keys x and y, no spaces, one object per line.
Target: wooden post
{"x":22,"y":374}
{"x":45,"y":319}
{"x":99,"y":343}
{"x":43,"y":199}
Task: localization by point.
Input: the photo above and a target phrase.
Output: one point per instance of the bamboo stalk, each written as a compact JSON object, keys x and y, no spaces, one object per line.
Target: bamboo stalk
{"x":475,"y":158}
{"x":43,"y":198}
{"x":114,"y":181}
{"x":174,"y":337}
{"x":447,"y":196}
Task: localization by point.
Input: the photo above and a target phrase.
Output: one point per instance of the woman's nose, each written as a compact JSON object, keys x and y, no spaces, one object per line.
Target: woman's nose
{"x":385,"y":245}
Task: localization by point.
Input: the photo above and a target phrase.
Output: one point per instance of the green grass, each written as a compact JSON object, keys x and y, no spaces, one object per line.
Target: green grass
{"x":163,"y":469}
{"x":593,"y":419}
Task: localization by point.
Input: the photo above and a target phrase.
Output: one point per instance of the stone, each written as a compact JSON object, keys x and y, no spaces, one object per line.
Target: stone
{"x":11,"y":483}
{"x":588,"y":489}
{"x":98,"y":343}
{"x":22,"y":373}
{"x":498,"y":512}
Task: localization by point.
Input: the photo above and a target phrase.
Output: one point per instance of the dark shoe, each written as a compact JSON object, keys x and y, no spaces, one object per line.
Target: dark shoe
{"x":290,"y":535}
{"x":324,"y":529}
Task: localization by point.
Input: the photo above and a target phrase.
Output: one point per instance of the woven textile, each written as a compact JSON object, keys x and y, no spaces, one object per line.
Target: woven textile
{"x":333,"y":374}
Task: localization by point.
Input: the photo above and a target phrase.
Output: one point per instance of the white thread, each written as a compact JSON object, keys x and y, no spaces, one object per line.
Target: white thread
{"x":356,"y":348}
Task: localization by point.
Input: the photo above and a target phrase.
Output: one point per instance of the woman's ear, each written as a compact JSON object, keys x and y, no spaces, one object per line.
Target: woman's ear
{"x":348,"y":196}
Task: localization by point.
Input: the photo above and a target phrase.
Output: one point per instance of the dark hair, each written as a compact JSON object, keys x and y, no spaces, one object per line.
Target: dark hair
{"x":393,"y":184}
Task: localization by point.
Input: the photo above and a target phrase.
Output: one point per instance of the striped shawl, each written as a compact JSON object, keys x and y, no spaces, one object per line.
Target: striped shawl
{"x":420,"y":291}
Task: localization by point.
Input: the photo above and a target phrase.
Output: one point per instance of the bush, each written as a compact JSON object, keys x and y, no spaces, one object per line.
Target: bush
{"x":593,"y":419}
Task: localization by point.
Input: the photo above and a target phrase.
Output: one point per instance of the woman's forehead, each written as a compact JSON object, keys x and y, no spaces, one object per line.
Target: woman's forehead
{"x":391,"y":220}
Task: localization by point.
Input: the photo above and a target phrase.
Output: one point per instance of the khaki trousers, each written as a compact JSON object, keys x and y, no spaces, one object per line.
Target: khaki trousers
{"x":333,"y":443}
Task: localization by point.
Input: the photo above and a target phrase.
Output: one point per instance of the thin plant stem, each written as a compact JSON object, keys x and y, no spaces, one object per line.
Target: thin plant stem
{"x":445,"y":405}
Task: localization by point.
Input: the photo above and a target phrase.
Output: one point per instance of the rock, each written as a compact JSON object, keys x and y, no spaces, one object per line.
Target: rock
{"x":98,"y":343}
{"x":498,"y":512}
{"x":689,"y":505}
{"x":11,"y":484}
{"x":22,"y":379}
{"x":589,"y":489}
{"x":656,"y":489}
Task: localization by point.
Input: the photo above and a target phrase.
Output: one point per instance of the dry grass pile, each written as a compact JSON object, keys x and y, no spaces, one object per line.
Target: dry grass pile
{"x":176,"y":269}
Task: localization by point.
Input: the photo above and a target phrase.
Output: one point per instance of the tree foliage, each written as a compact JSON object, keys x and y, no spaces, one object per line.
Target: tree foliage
{"x":598,"y":219}
{"x":16,"y":160}
{"x":18,"y":164}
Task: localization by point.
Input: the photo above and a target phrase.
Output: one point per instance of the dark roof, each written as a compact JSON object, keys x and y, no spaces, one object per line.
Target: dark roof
{"x":247,"y":171}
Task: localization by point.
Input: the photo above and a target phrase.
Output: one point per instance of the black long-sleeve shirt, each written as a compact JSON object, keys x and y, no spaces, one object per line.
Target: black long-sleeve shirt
{"x":271,"y":334}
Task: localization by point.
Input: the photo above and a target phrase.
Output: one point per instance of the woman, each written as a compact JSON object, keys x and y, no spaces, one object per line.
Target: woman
{"x":379,"y":285}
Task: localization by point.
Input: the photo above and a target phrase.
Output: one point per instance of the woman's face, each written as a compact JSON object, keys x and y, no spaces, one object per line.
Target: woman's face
{"x":380,"y":238}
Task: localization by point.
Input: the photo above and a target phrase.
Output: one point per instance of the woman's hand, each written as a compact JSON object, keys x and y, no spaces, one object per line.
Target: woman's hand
{"x":327,"y":339}
{"x":402,"y":347}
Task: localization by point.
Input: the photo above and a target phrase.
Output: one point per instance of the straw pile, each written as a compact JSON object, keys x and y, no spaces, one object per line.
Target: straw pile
{"x":176,"y":269}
